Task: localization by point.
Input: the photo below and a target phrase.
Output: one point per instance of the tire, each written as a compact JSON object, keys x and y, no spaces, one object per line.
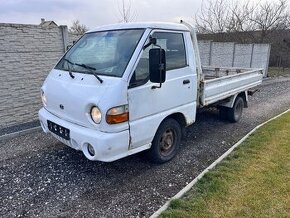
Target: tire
{"x":166,"y":142}
{"x":235,"y":113}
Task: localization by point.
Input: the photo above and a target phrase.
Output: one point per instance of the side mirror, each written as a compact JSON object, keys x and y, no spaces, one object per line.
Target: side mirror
{"x":157,"y":66}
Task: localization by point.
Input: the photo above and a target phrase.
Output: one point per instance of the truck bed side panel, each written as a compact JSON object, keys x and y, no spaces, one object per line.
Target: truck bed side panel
{"x":217,"y":89}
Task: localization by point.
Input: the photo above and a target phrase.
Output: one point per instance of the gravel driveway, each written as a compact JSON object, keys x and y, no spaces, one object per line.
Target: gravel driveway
{"x":40,"y":177}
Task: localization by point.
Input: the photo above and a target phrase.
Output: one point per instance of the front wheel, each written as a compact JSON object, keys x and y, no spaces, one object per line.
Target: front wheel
{"x":166,"y":142}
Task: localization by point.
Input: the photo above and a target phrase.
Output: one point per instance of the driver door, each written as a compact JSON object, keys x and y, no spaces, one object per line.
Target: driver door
{"x":147,"y":106}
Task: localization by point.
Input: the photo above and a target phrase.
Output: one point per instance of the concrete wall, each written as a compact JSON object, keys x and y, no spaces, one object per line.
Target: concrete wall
{"x":73,"y":38}
{"x":27,"y":53}
{"x":261,"y":55}
{"x":205,"y":52}
{"x":243,"y":55}
{"x":230,"y":54}
{"x":222,"y":54}
{"x":278,"y":39}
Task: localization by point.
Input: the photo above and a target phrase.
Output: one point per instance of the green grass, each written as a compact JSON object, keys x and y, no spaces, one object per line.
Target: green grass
{"x":276,"y":71}
{"x":253,"y":181}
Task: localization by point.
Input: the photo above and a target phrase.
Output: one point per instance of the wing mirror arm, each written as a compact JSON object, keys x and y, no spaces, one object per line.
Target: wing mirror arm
{"x":152,"y":41}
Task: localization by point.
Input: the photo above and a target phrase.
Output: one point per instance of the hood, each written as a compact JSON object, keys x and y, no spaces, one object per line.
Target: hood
{"x":72,"y":98}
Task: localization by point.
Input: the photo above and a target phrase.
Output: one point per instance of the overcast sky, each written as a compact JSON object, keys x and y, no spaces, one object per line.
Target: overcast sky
{"x":94,"y":13}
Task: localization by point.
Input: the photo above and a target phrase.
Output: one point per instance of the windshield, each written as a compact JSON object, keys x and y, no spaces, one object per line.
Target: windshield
{"x":103,"y":53}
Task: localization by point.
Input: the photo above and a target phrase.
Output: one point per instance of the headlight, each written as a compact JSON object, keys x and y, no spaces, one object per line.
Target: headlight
{"x":96,"y":114}
{"x":43,"y":98}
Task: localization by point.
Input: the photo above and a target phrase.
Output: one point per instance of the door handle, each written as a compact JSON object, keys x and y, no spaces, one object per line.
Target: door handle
{"x":187,"y":81}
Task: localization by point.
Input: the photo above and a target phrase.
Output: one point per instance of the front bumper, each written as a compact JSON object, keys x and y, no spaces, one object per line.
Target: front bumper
{"x":108,"y":146}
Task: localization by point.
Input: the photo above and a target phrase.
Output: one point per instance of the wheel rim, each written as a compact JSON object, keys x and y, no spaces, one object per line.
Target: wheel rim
{"x":167,"y":142}
{"x":238,"y":110}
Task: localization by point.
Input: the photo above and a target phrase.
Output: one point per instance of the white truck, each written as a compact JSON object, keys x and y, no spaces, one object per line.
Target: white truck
{"x":125,"y":88}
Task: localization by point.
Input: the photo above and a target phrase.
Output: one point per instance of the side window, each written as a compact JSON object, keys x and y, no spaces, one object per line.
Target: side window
{"x":174,"y":47}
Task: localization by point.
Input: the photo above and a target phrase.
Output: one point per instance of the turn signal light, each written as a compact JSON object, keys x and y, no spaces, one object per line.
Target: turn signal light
{"x":118,"y":114}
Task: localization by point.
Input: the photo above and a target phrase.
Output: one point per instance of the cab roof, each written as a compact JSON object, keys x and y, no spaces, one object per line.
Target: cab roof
{"x":145,"y":25}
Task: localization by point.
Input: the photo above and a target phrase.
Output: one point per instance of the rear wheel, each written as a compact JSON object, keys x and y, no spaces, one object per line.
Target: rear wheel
{"x":235,"y":113}
{"x":166,"y":142}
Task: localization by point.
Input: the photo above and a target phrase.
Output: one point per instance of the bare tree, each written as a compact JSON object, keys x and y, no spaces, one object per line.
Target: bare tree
{"x":269,"y":17}
{"x":222,"y":16}
{"x":239,"y":17}
{"x":78,"y":28}
{"x":213,"y":17}
{"x":125,"y":11}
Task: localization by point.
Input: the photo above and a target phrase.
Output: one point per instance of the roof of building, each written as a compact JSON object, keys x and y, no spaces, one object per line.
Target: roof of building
{"x":45,"y":23}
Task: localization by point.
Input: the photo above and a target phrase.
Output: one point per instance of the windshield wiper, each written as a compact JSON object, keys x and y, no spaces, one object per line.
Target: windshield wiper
{"x":69,"y":69}
{"x":92,"y":69}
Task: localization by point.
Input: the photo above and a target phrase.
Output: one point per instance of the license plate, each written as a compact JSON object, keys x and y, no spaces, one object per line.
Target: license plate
{"x":58,"y":130}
